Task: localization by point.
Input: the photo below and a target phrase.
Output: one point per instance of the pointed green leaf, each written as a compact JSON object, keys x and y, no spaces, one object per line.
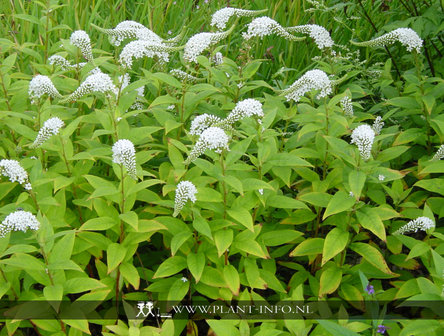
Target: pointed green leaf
{"x":115,"y":254}
{"x":335,"y":242}
{"x":341,"y":201}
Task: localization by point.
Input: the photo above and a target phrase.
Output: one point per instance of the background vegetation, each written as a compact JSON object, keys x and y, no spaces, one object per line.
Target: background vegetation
{"x":274,"y":218}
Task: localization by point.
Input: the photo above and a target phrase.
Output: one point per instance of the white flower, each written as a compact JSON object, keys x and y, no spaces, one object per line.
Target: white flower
{"x":19,"y":221}
{"x":213,"y":138}
{"x":138,"y":105}
{"x":183,"y":279}
{"x":311,"y":80}
{"x":420,"y":223}
{"x":15,"y":172}
{"x":261,"y":191}
{"x":319,"y":34}
{"x":171,"y":107}
{"x":363,"y":137}
{"x":199,"y":42}
{"x":351,"y":194}
{"x":221,"y":17}
{"x":182,"y":75}
{"x":439,"y":153}
{"x":185,"y":191}
{"x":202,"y":122}
{"x":81,"y":40}
{"x":265,"y":26}
{"x":50,"y":127}
{"x":381,"y":177}
{"x":141,"y":48}
{"x":347,"y":106}
{"x":41,"y":85}
{"x":377,"y":125}
{"x":408,"y":38}
{"x":98,"y":82}
{"x":60,"y":61}
{"x":244,"y":109}
{"x":125,"y":154}
{"x":125,"y":30}
{"x":218,"y":58}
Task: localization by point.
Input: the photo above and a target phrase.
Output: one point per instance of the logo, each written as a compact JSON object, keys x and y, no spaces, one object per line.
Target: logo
{"x":146,"y":309}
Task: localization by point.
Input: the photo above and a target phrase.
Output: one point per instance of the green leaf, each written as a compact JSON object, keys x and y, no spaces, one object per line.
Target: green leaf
{"x":330,"y":279}
{"x":201,"y":225}
{"x":242,"y":216}
{"x":131,"y":218}
{"x":98,"y":224}
{"x":178,"y":240}
{"x":24,"y":261}
{"x":223,"y":327}
{"x":434,"y":185}
{"x":115,"y":254}
{"x":279,"y":237}
{"x":335,"y":242}
{"x":369,"y":219}
{"x":308,"y":247}
{"x":130,"y":274}
{"x":178,"y":290}
{"x":170,"y":266}
{"x":373,"y":256}
{"x":336,"y":329}
{"x":208,"y":195}
{"x":283,"y":202}
{"x":81,"y":284}
{"x":356,"y":180}
{"x":223,"y":239}
{"x":391,"y":153}
{"x":196,"y":264}
{"x":54,"y":295}
{"x":341,"y":201}
{"x":320,"y":199}
{"x":232,"y":279}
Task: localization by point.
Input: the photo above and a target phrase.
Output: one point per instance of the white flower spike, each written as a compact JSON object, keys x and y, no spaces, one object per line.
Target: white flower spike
{"x":244,"y":109}
{"x":213,"y":138}
{"x":202,"y":122}
{"x":185,"y":191}
{"x":439,"y":154}
{"x":378,"y":124}
{"x":406,"y":36}
{"x":199,"y":42}
{"x":81,"y":40}
{"x":265,"y":26}
{"x":347,"y":106}
{"x":363,"y":137}
{"x":125,"y":154}
{"x":15,"y":172}
{"x":311,"y":80}
{"x":221,"y":17}
{"x":319,"y":34}
{"x":97,"y":82}
{"x":141,"y":48}
{"x":420,"y":223}
{"x":41,"y":85}
{"x":19,"y":221}
{"x":50,"y":127}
